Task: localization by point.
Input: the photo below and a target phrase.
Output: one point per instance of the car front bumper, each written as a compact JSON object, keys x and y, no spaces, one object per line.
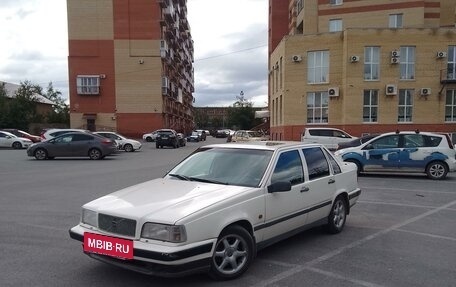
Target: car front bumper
{"x":159,"y":260}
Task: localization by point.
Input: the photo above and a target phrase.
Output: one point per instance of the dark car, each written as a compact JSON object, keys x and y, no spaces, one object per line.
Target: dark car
{"x":201,"y":134}
{"x":73,"y":144}
{"x":356,"y":142}
{"x":222,"y":133}
{"x":23,"y":134}
{"x":167,"y":137}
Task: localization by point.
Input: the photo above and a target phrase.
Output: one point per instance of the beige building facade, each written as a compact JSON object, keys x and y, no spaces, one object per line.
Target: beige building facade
{"x":365,"y":66}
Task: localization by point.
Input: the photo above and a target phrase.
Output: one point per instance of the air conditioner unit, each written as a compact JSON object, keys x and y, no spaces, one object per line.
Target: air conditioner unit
{"x":394,"y":60}
{"x":333,"y":92}
{"x":395,"y":54}
{"x":102,"y":76}
{"x":391,"y":90}
{"x":165,"y":82}
{"x":296,"y":58}
{"x":425,"y":91}
{"x":441,"y":55}
{"x":354,"y":59}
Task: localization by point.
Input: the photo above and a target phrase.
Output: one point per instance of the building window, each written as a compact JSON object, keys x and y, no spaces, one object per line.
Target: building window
{"x":277,"y":77}
{"x":336,"y":2}
{"x":395,"y":20}
{"x":450,"y":106}
{"x":405,"y":107}
{"x":371,"y":63}
{"x":317,"y":67}
{"x":299,"y":5}
{"x":407,"y":61}
{"x":281,"y":74}
{"x":88,"y":85}
{"x":451,"y":66}
{"x":335,"y":25}
{"x":317,"y":107}
{"x":370,"y":106}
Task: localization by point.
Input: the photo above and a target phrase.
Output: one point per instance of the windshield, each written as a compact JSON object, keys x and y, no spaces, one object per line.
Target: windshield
{"x":231,"y":166}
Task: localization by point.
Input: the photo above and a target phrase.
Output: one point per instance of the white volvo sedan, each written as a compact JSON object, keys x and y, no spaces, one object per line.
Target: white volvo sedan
{"x":215,"y":209}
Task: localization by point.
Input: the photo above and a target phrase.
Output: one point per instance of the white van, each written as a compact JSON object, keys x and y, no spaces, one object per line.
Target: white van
{"x":329,"y":137}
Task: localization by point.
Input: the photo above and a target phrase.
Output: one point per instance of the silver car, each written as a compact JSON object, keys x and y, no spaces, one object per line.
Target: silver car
{"x":74,"y":144}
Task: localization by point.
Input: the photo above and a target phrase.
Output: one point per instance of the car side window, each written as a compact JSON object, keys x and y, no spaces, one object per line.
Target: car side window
{"x":316,"y":162}
{"x":432,"y":141}
{"x":288,"y":168}
{"x":64,"y":139}
{"x":411,"y":141}
{"x":78,"y":137}
{"x":335,"y":166}
{"x":386,"y":142}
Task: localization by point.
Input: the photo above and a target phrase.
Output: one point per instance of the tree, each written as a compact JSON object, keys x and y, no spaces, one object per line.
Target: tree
{"x":242,"y":114}
{"x":61,"y":112}
{"x":21,"y":109}
{"x":3,"y":105}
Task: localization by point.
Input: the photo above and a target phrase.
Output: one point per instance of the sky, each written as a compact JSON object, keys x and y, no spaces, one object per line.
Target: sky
{"x":230,"y":42}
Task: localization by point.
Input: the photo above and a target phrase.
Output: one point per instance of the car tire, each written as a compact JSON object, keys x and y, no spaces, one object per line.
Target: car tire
{"x":233,"y":253}
{"x":157,"y":146}
{"x":17,"y":145}
{"x":358,"y":165}
{"x":148,"y":139}
{"x":40,"y":154}
{"x":338,"y":216}
{"x":436,"y":170}
{"x":128,"y":148}
{"x":95,"y":154}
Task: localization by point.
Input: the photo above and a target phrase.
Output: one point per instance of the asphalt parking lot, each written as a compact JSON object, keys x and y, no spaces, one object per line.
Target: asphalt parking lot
{"x":402,"y":232}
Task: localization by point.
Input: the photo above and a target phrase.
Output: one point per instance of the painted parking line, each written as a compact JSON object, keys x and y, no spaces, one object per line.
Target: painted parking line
{"x":329,"y":255}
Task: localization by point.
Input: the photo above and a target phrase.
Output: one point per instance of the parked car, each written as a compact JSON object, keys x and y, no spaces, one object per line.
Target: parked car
{"x":216,"y":208}
{"x":123,"y":143}
{"x":182,"y":140}
{"x":73,"y":144}
{"x":194,"y":137}
{"x":52,"y":133}
{"x":329,"y":137}
{"x":418,"y":152}
{"x":150,"y":137}
{"x":222,"y":133}
{"x":23,"y":134}
{"x":166,"y":137}
{"x":245,"y":136}
{"x":202,"y":134}
{"x":356,"y":142}
{"x":9,"y":140}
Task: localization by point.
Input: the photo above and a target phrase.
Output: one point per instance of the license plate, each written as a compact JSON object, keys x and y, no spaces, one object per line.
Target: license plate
{"x":106,"y":245}
{"x":165,"y":138}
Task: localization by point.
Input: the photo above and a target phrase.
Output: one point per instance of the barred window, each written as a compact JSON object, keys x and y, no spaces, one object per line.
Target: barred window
{"x":88,"y":85}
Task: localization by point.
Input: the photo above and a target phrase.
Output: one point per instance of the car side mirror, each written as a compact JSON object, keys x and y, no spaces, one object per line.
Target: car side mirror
{"x":280,"y":186}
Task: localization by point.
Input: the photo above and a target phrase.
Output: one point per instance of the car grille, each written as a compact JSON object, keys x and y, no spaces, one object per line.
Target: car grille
{"x":117,"y":225}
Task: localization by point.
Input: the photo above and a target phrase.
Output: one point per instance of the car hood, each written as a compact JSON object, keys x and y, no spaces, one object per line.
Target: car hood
{"x":163,"y":200}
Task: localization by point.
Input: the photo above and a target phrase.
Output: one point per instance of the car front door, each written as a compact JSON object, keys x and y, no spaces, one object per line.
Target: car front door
{"x":316,"y":194}
{"x":60,"y":146}
{"x":382,"y":154}
{"x":282,"y":212}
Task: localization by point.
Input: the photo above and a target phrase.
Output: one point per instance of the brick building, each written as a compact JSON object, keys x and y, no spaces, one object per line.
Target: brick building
{"x":130,"y":65}
{"x":362,"y":65}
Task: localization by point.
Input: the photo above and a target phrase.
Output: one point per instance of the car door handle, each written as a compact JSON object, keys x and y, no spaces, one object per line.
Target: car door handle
{"x":305,"y":189}
{"x":331,"y":181}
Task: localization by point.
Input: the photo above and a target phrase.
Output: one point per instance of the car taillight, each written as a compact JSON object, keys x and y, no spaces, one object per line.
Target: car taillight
{"x":106,"y":141}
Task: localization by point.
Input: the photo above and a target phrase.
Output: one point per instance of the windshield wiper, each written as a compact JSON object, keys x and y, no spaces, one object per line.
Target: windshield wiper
{"x":207,"y":180}
{"x":181,"y":177}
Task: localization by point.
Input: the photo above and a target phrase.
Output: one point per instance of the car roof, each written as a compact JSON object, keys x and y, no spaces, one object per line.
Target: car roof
{"x":411,"y":132}
{"x":263,"y":145}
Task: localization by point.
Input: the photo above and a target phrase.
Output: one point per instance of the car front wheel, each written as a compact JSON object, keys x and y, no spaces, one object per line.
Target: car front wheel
{"x":95,"y":154}
{"x":40,"y":154}
{"x":234,"y":251}
{"x":338,"y":216}
{"x":148,"y":139}
{"x":436,"y":170}
{"x":128,"y":148}
{"x":17,"y":145}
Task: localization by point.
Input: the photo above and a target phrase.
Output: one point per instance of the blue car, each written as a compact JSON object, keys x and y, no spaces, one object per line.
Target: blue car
{"x":429,"y":153}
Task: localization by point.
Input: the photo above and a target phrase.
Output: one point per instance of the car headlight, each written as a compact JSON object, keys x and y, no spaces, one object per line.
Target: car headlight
{"x":89,"y":217}
{"x":163,"y":232}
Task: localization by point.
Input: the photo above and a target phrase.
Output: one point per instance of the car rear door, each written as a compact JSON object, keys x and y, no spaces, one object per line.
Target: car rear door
{"x":81,"y":143}
{"x":316,"y":194}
